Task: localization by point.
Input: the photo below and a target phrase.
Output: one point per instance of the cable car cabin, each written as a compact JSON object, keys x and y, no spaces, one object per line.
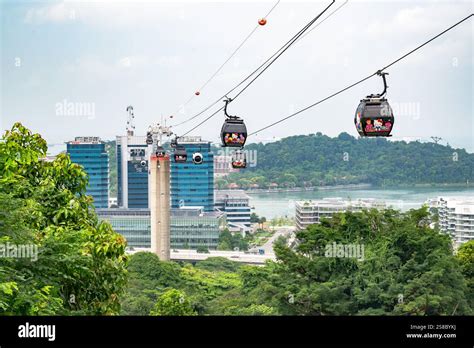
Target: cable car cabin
{"x":374,"y":117}
{"x":160,"y":151}
{"x":234,"y":132}
{"x":239,"y":160}
{"x":197,"y":158}
{"x":180,"y":155}
{"x":149,"y":138}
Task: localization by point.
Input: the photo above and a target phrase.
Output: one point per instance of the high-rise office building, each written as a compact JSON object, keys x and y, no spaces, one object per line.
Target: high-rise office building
{"x":91,"y":154}
{"x":193,"y":184}
{"x":132,"y":171}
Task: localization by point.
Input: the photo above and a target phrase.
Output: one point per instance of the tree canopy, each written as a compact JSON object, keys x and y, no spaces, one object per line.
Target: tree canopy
{"x":316,"y":159}
{"x":79,"y":266}
{"x":404,"y":268}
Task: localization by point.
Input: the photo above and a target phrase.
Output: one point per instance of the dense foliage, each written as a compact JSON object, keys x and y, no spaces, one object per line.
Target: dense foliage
{"x":465,"y":255}
{"x":232,"y":241}
{"x":316,"y":159}
{"x":406,"y":268}
{"x":79,"y":266}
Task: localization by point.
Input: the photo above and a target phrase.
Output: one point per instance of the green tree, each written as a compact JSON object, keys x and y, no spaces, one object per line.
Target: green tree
{"x":202,"y":249}
{"x":80,"y":265}
{"x":407,"y":268}
{"x":230,"y":241}
{"x":322,"y":160}
{"x":465,"y":256}
{"x":254,"y":218}
{"x":173,"y":303}
{"x":148,"y":277}
{"x":218,"y":264}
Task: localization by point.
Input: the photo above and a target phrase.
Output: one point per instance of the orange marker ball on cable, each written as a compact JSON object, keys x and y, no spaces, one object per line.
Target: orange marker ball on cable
{"x":262,"y":21}
{"x":197,"y":93}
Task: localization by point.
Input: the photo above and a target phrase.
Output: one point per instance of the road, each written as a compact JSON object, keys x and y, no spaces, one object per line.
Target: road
{"x":281,"y":231}
{"x":193,"y":255}
{"x":238,"y":256}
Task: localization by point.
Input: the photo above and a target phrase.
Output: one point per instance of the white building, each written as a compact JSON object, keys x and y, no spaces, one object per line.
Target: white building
{"x":456,"y":217}
{"x":310,"y":212}
{"x":235,"y":203}
{"x":132,"y":171}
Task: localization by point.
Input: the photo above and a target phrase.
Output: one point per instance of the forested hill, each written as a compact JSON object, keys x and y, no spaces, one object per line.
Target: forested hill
{"x":317,"y":159}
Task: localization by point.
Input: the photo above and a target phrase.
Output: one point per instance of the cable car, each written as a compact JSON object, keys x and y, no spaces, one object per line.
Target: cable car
{"x":233,"y":132}
{"x":149,"y":138}
{"x":180,"y":155}
{"x":197,"y":158}
{"x":239,"y":160}
{"x":160,"y":151}
{"x":374,"y":116}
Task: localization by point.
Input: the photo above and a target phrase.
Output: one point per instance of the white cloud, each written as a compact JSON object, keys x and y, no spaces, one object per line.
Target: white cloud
{"x":59,"y":12}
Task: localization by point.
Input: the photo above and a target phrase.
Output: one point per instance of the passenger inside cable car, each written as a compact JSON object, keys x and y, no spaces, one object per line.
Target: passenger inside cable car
{"x":180,"y":158}
{"x":374,"y":117}
{"x":239,"y":160}
{"x":180,"y":155}
{"x":233,"y":139}
{"x":160,"y":151}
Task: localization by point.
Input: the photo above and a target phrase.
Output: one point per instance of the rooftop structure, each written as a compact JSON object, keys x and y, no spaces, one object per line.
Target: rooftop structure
{"x":310,"y":212}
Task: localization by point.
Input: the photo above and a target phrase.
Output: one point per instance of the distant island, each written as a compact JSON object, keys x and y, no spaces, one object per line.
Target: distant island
{"x":303,"y":162}
{"x":317,"y":160}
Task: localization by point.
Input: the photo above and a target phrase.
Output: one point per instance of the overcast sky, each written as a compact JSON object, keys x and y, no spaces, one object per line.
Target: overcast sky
{"x":154,"y":55}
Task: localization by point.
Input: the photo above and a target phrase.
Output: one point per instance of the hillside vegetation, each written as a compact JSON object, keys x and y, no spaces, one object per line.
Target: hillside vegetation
{"x":316,"y":159}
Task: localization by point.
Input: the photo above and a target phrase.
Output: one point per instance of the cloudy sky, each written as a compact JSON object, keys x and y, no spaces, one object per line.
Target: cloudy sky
{"x":70,"y":68}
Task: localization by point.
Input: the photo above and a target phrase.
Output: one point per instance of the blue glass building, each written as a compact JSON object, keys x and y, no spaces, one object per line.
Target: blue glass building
{"x":132,"y":171}
{"x":90,"y":153}
{"x":193,"y":184}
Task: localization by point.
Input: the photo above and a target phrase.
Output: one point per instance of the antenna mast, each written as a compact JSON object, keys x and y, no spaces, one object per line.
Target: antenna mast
{"x":130,"y":121}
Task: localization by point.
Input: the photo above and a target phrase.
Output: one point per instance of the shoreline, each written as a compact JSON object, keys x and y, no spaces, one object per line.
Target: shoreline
{"x":355,"y":186}
{"x":305,"y":189}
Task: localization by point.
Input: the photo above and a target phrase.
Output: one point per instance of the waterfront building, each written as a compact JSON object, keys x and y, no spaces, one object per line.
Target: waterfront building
{"x":235,"y":203}
{"x":311,"y":211}
{"x":90,"y":153}
{"x":193,"y":184}
{"x":455,"y":217}
{"x":190,"y":227}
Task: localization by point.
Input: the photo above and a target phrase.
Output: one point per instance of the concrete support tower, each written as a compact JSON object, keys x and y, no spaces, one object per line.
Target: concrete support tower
{"x":160,"y":205}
